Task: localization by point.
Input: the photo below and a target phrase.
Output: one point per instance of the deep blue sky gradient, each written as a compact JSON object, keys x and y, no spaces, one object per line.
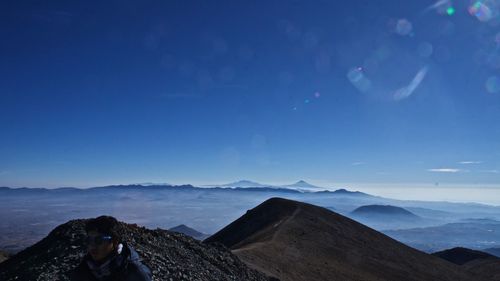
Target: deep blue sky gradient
{"x":103,"y":92}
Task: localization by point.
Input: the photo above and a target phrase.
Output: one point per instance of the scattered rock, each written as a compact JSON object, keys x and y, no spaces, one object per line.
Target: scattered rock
{"x":169,"y":255}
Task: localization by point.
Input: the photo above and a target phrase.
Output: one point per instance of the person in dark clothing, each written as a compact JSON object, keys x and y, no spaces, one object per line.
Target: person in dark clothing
{"x":109,"y":258}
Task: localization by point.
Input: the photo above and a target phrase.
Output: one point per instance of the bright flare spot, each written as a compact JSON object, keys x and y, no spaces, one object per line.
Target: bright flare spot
{"x":450,"y":11}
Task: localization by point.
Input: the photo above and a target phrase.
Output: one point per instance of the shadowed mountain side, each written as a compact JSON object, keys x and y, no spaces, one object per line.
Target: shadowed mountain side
{"x":297,"y":241}
{"x":475,"y":262}
{"x":169,"y":255}
{"x":461,"y":256}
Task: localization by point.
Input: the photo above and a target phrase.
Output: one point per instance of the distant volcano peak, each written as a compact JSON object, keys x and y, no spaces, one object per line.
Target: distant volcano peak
{"x":302,"y":184}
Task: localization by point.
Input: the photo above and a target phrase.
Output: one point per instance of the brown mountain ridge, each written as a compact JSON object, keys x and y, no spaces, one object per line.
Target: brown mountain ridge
{"x":296,"y":241}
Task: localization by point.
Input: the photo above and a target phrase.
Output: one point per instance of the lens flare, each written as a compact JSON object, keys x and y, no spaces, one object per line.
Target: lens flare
{"x":484,"y":11}
{"x":493,"y":85}
{"x":497,"y":39}
{"x":359,"y":80}
{"x":405,"y":92}
{"x":403,"y":27}
{"x":442,"y":7}
{"x":425,"y":49}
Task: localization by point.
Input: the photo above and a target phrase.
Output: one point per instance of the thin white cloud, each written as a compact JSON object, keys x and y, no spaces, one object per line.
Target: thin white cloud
{"x":357,"y":163}
{"x":470,"y":162}
{"x":446,"y":170}
{"x":490,"y":171}
{"x":439,"y":5}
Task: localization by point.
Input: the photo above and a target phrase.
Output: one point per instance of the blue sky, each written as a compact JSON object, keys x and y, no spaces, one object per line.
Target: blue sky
{"x":214,"y":91}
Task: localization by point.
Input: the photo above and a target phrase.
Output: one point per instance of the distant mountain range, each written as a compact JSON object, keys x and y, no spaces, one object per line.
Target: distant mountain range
{"x":300,"y":185}
{"x":460,"y":234}
{"x":152,"y":183}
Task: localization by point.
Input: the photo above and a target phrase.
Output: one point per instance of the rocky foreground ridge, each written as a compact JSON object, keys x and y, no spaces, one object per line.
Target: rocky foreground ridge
{"x":171,"y":256}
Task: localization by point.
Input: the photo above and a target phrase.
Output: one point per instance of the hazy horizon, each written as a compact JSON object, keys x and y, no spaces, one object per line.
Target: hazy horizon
{"x":369,"y":92}
{"x":457,"y":193}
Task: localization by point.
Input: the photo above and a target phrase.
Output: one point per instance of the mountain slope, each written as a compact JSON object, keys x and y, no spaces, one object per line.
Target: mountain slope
{"x":169,"y":255}
{"x":490,"y":268}
{"x":296,"y":241}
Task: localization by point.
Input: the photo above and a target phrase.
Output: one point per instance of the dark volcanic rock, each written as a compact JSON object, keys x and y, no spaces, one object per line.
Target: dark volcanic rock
{"x":170,"y":256}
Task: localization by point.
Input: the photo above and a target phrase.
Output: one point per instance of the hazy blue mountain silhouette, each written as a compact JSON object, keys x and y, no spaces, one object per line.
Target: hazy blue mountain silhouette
{"x":384,"y":211}
{"x":184,"y":229}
